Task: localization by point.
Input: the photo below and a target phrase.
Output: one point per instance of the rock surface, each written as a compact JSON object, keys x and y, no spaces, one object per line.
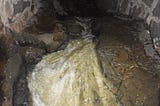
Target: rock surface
{"x":18,"y":14}
{"x":63,"y":79}
{"x":148,"y":10}
{"x":125,"y":63}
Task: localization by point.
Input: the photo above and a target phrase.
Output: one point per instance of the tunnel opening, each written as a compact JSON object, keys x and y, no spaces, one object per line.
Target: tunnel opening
{"x":126,"y":41}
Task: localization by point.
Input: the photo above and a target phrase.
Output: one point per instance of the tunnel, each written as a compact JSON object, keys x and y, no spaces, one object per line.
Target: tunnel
{"x":126,"y":35}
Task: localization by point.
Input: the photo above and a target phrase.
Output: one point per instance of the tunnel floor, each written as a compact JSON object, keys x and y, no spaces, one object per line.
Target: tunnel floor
{"x":121,"y":51}
{"x":125,"y":63}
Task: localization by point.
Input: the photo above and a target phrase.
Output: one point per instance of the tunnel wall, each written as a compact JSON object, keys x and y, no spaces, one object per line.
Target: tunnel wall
{"x":148,"y":10}
{"x":16,"y":14}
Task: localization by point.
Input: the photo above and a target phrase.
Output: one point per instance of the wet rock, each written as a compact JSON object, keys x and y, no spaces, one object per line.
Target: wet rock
{"x":20,"y":6}
{"x":124,"y":5}
{"x":132,"y":75}
{"x":107,"y":5}
{"x":48,"y":40}
{"x":154,"y":29}
{"x":156,"y":11}
{"x":16,"y":14}
{"x":12,"y":71}
{"x":145,"y":38}
{"x":155,"y":34}
{"x":3,"y":60}
{"x":21,"y":94}
{"x":76,"y":8}
{"x":45,"y":23}
{"x":28,"y":40}
{"x":74,"y":29}
{"x":148,"y":2}
{"x":1,"y":25}
{"x":32,"y":55}
{"x":58,"y":8}
{"x":19,"y":14}
{"x":150,"y":51}
{"x":14,"y":86}
{"x":156,"y":42}
{"x":53,"y":40}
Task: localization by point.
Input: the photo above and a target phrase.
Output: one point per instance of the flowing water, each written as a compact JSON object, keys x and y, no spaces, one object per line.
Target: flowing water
{"x":112,"y":72}
{"x":72,"y":77}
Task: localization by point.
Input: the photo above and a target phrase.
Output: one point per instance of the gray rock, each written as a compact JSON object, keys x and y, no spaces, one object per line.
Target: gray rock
{"x":51,"y":45}
{"x":21,"y":92}
{"x":149,"y":50}
{"x":124,"y":5}
{"x":11,"y":72}
{"x":1,"y":25}
{"x":156,"y":42}
{"x":16,"y":13}
{"x":156,"y":11}
{"x":20,"y":6}
{"x":148,"y":2}
{"x":155,"y":29}
{"x":32,"y":55}
{"x":108,"y":5}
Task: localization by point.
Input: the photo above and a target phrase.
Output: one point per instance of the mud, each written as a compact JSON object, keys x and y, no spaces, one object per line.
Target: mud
{"x":125,"y":62}
{"x":125,"y":51}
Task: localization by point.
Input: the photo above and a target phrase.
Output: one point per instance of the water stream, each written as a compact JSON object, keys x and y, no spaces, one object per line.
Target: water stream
{"x":112,"y":72}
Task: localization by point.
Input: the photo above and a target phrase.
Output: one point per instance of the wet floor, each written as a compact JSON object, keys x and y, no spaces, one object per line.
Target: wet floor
{"x":2,"y":66}
{"x":125,"y":63}
{"x":123,"y":60}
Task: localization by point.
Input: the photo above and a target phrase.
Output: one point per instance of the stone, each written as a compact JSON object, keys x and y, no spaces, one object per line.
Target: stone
{"x":149,"y":49}
{"x":156,"y":42}
{"x":15,"y":14}
{"x":107,"y":5}
{"x":21,"y":94}
{"x":148,"y":2}
{"x":154,"y":29}
{"x":1,"y":26}
{"x":156,"y":11}
{"x":74,"y":29}
{"x":28,"y":40}
{"x":20,"y":6}
{"x":136,"y":11}
{"x":32,"y":55}
{"x":53,"y":40}
{"x":124,"y":6}
{"x":12,"y":69}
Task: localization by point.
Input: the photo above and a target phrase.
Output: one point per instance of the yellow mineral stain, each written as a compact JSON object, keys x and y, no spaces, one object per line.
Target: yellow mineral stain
{"x":72,"y":77}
